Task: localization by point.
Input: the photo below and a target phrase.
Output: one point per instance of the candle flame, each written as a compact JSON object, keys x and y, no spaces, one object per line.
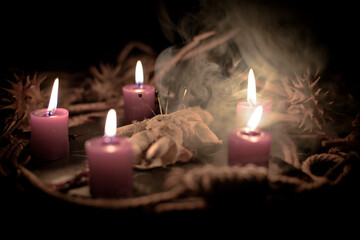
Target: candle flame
{"x":255,"y":118}
{"x":139,"y":74}
{"x":110,"y":124}
{"x":53,"y":98}
{"x":251,"y":90}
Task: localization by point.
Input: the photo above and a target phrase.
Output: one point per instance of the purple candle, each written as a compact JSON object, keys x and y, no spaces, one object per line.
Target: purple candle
{"x":139,"y":99}
{"x":49,"y":129}
{"x":244,"y":109}
{"x":110,"y":160}
{"x":248,"y":145}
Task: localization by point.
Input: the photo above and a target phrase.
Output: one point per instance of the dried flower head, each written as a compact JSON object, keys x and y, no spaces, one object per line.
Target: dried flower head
{"x":104,"y":83}
{"x":308,"y":102}
{"x":24,"y":96}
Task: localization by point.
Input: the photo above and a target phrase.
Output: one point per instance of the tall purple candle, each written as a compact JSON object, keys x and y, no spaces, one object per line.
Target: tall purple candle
{"x":110,"y":160}
{"x":139,"y":99}
{"x":49,"y":130}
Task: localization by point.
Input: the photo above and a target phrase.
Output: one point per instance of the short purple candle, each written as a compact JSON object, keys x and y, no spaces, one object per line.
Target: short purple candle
{"x":110,"y":160}
{"x":139,"y":98}
{"x":248,"y":145}
{"x":49,"y":134}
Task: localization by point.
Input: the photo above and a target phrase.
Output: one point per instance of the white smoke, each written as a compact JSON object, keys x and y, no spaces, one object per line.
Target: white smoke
{"x":268,"y":39}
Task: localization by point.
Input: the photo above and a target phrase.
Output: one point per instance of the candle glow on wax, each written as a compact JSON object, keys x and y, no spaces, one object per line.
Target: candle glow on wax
{"x":139,"y":74}
{"x":53,"y":98}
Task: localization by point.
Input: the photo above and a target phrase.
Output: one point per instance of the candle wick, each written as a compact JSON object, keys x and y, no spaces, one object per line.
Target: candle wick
{"x":158,"y":97}
{"x":250,"y":131}
{"x":108,"y":139}
{"x":146,"y":104}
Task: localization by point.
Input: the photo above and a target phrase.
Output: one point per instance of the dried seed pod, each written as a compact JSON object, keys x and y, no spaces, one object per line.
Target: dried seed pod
{"x":307,"y":102}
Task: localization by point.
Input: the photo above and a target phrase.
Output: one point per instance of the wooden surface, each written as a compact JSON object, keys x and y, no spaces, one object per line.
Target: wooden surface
{"x":145,"y":181}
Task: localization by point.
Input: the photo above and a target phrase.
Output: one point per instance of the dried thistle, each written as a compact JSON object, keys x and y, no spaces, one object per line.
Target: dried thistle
{"x":24,"y":96}
{"x":104,"y":83}
{"x":307,"y":102}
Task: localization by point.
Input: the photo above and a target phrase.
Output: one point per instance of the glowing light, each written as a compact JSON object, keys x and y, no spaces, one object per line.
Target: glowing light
{"x":53,"y":98}
{"x":251,"y":90}
{"x":110,"y":124}
{"x":139,"y":74}
{"x":255,"y":118}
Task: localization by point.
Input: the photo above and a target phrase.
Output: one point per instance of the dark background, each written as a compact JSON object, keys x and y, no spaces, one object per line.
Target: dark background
{"x":67,"y":36}
{"x":70,"y":37}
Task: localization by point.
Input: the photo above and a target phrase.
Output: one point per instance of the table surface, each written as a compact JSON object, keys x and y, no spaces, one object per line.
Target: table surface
{"x":151,"y":181}
{"x":145,"y":181}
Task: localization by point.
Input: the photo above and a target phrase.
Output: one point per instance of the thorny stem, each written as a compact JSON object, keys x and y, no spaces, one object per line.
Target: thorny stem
{"x":283,"y":117}
{"x":190,"y":49}
{"x":94,"y":106}
{"x":167,"y":104}
{"x":340,"y":142}
{"x":159,"y":101}
{"x":183,"y":98}
{"x":83,"y":133}
{"x":15,"y":126}
{"x":130,"y":46}
{"x":211,"y":44}
{"x":309,"y":136}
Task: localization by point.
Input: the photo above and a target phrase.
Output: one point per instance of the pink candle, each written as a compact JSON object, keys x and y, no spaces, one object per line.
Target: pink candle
{"x":244,"y":109}
{"x":49,"y":130}
{"x":139,"y":99}
{"x":110,"y":162}
{"x":248,"y":145}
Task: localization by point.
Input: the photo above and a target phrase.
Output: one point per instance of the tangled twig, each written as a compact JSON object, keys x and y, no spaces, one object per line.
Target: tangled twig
{"x":10,"y":156}
{"x":116,"y":204}
{"x":95,"y":106}
{"x":166,"y":66}
{"x":289,"y":150}
{"x":205,"y":181}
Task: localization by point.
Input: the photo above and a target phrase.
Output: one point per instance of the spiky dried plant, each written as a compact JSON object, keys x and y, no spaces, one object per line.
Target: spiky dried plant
{"x":307,"y":102}
{"x":24,"y":95}
{"x":104,"y":81}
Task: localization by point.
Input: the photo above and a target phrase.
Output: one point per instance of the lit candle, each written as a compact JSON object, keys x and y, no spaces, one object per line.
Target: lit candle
{"x":49,"y":129}
{"x":139,"y":98}
{"x":249,"y":145}
{"x":245,"y":108}
{"x":110,"y":162}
